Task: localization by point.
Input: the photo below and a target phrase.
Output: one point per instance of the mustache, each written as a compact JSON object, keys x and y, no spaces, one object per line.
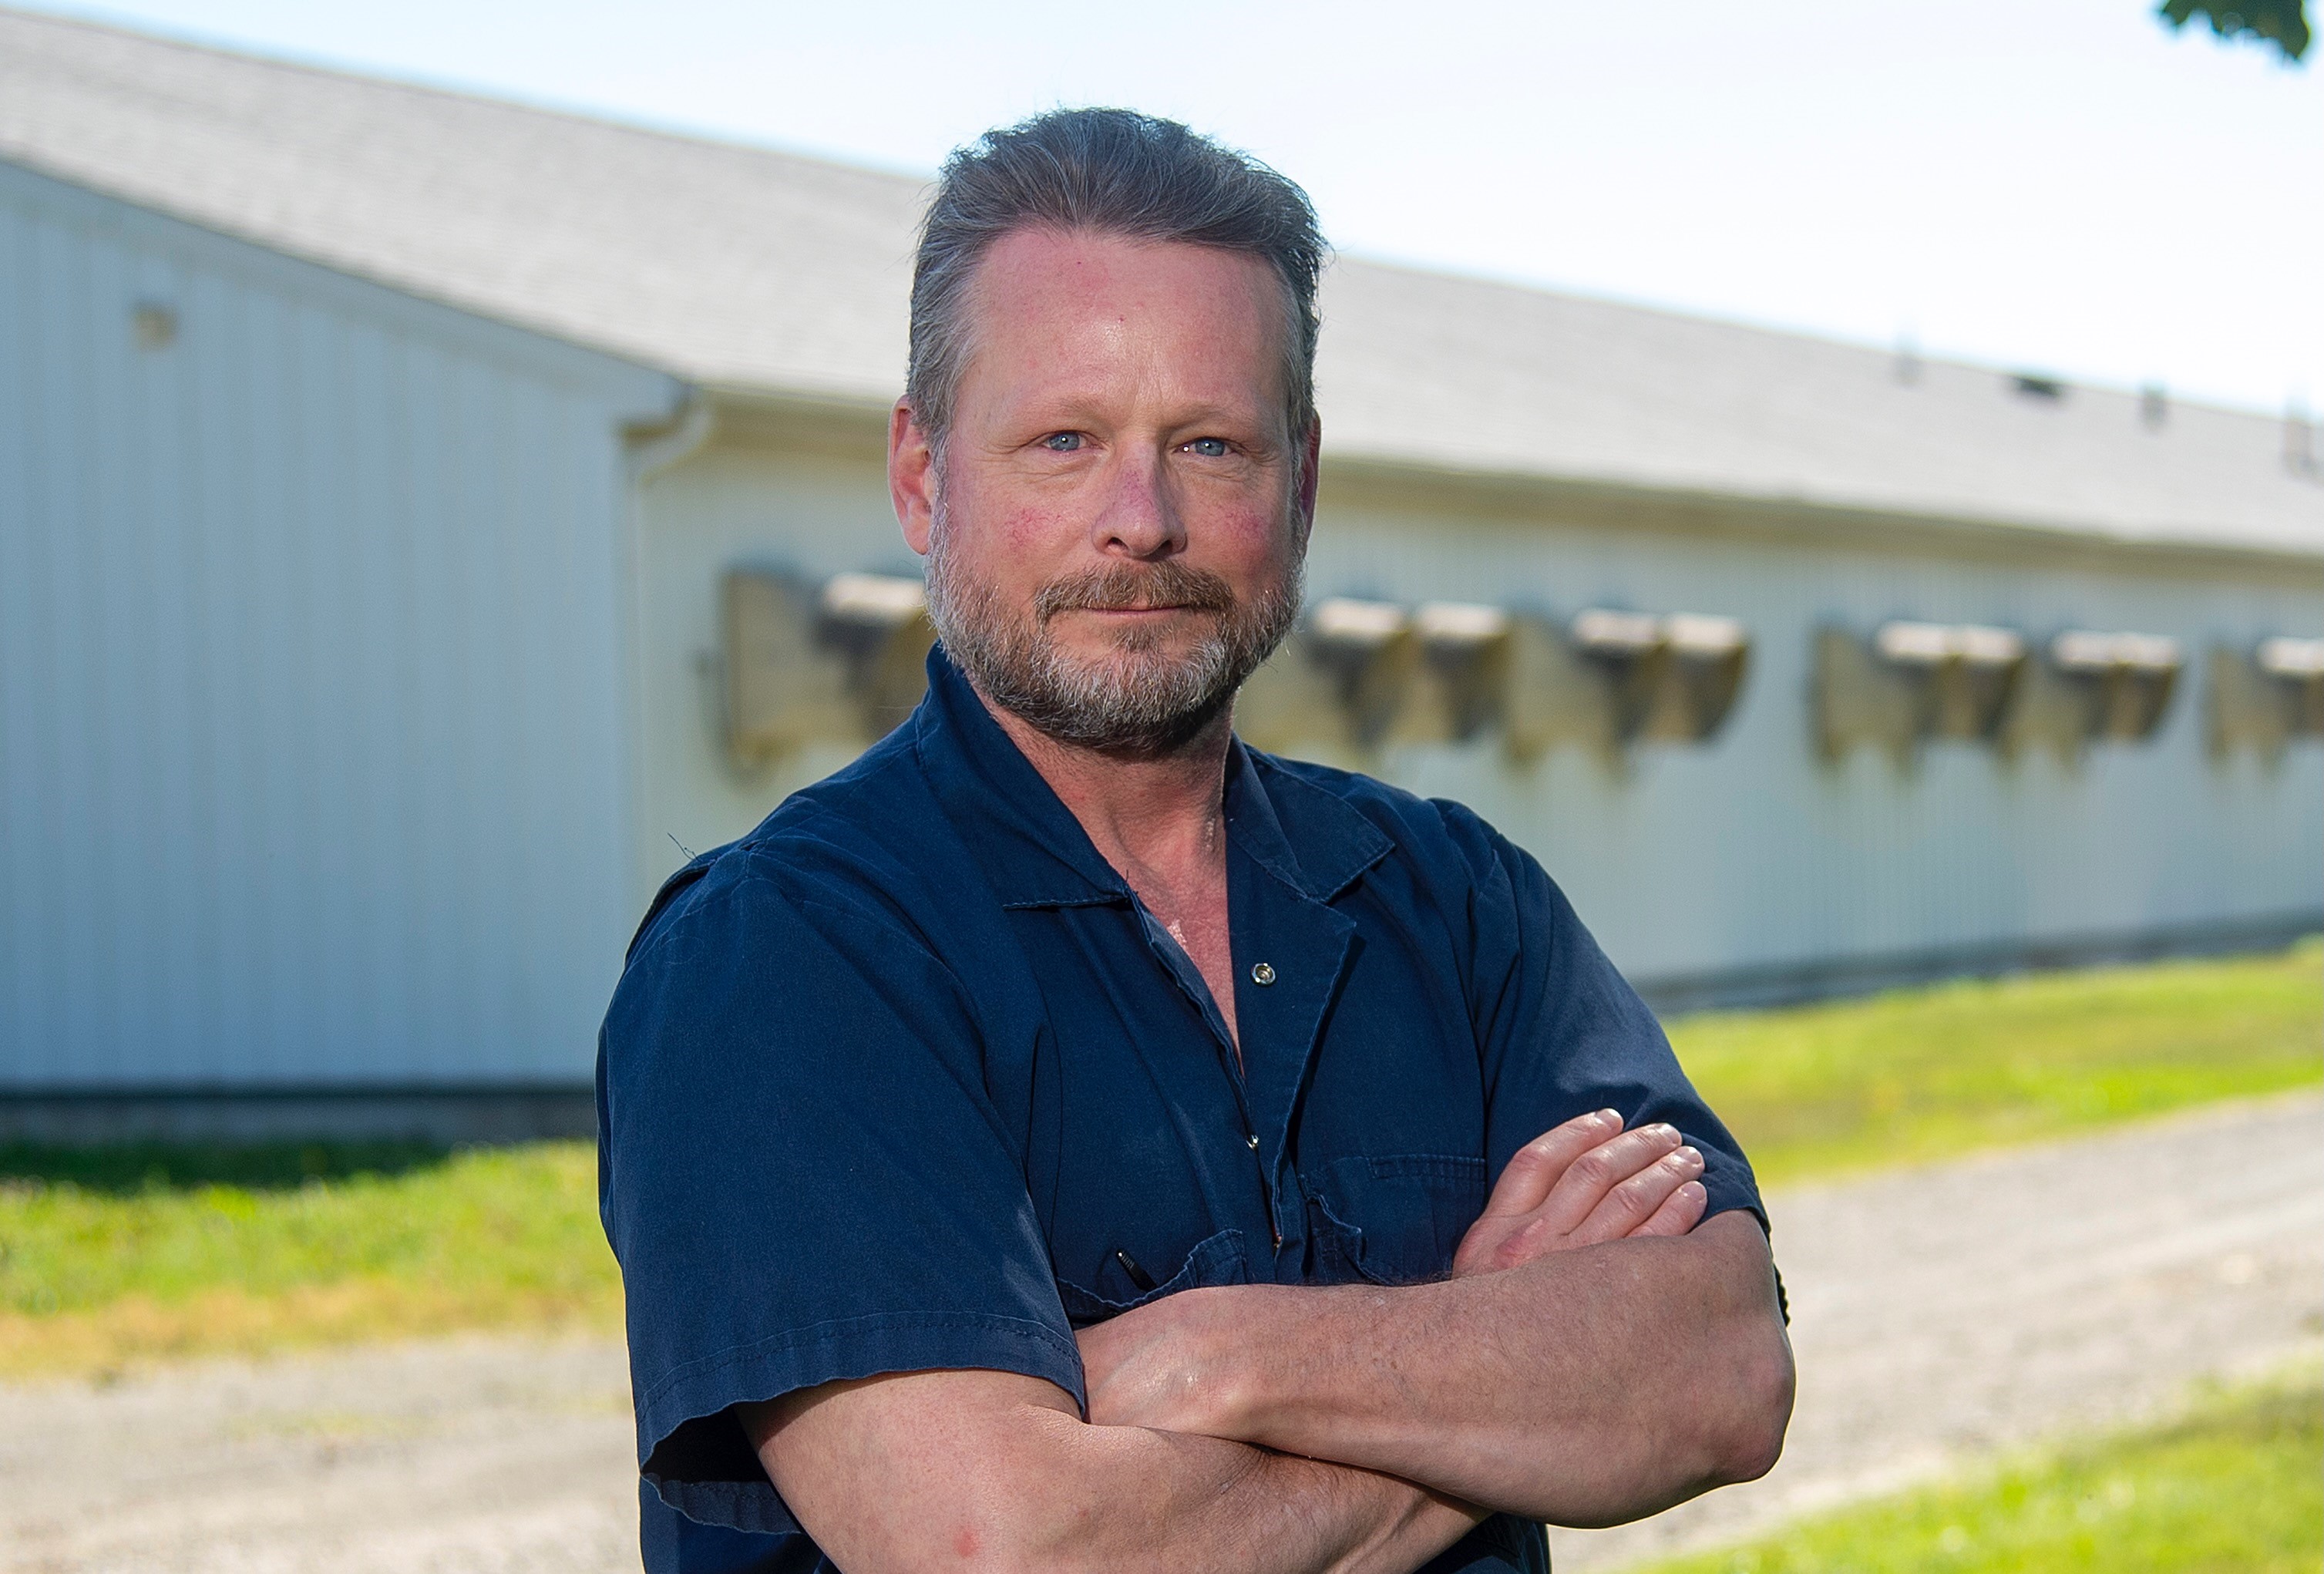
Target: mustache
{"x":1127,"y":588}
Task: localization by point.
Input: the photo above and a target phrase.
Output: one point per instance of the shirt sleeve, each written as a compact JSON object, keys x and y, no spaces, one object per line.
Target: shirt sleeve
{"x":803,"y":1179}
{"x":1563,"y":1034}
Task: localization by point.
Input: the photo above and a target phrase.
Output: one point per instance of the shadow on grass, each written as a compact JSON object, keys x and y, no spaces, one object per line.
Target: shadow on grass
{"x":127,"y":1169}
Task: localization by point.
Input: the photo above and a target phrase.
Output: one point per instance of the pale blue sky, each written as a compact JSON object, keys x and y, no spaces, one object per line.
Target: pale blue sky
{"x":2060,"y":185}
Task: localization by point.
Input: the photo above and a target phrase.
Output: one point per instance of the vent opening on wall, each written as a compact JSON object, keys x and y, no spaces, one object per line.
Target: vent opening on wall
{"x":838,"y":663}
{"x":2127,"y":679}
{"x":153,"y":324}
{"x":2262,"y":698}
{"x":1365,"y":675}
{"x":2034,"y":385}
{"x":1912,"y":681}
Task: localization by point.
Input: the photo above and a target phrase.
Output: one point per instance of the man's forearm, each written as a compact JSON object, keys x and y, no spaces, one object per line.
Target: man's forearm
{"x":985,"y":1470}
{"x":1254,"y":1510}
{"x":1586,"y":1388}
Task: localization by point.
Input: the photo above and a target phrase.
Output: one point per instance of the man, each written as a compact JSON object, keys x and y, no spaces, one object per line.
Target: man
{"x":1061,"y":1139}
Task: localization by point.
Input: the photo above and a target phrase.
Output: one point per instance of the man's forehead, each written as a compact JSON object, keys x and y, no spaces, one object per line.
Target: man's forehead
{"x":1051,"y":255}
{"x":1060,"y":302}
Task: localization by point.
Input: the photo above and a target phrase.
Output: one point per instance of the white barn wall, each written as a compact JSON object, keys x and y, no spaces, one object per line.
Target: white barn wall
{"x":814,"y":506}
{"x":1748,"y":853}
{"x":1702,"y":862}
{"x":358,"y":654}
{"x":312,"y":672}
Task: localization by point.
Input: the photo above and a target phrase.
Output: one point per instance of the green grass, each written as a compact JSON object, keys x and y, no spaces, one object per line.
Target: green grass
{"x":2235,"y":1486}
{"x":122,"y":1254}
{"x":114,"y":1255}
{"x":1925,"y":1073}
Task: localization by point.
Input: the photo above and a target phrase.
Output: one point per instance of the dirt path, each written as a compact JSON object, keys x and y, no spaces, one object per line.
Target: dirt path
{"x":457,"y":1457}
{"x":1940,"y":1313}
{"x":1937,"y":1313}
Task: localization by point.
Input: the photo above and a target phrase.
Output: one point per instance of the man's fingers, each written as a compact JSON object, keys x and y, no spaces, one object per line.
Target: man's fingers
{"x":1627,"y":1207}
{"x":1586,"y":1181}
{"x":1592,"y":1177}
{"x":1540,"y":1163}
{"x":1679,"y":1213}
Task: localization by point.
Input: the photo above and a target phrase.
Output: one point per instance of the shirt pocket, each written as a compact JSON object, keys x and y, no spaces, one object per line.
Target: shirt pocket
{"x":1216,"y":1259}
{"x":1396,"y":1219}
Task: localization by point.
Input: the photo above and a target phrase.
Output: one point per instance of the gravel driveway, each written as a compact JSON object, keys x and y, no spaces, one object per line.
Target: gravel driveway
{"x":1937,"y":1312}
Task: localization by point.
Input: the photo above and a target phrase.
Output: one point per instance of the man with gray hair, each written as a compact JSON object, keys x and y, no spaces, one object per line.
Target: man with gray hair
{"x":1067,"y":1138}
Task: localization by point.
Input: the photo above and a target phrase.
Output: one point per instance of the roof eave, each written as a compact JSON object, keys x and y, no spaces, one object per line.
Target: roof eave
{"x":1585,"y":499}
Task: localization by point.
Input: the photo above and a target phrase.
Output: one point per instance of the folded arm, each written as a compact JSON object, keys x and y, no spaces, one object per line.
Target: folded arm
{"x":1625,"y":1362}
{"x":1592,"y":1361}
{"x":975,"y":1470}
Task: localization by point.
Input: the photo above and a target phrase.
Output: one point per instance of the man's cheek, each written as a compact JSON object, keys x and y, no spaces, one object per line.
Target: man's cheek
{"x":1246,"y":526}
{"x":1034,"y":542}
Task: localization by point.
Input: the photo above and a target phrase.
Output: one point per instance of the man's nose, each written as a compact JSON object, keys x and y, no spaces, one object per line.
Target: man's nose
{"x":1138,"y":517}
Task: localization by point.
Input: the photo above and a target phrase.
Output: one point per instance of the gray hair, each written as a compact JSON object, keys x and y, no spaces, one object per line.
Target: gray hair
{"x":1113,"y":171}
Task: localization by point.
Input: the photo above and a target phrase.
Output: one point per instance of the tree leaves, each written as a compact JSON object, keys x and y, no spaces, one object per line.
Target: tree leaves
{"x":2281,"y":23}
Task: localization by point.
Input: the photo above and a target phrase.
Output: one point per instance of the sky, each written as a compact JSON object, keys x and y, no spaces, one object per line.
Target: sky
{"x":2059,"y":186}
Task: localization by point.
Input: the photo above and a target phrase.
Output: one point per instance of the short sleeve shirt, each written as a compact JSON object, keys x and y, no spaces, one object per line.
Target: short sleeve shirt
{"x":906,"y":1080}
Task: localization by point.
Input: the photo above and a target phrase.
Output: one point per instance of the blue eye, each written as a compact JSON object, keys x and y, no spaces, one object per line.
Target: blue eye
{"x":1210,"y":447}
{"x":1062,"y":442}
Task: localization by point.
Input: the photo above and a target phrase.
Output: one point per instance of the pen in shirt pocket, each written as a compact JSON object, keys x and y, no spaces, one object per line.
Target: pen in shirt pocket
{"x":1138,"y":1275}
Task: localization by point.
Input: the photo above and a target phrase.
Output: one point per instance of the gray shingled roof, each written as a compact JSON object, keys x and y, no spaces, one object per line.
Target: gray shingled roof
{"x":740,"y":268}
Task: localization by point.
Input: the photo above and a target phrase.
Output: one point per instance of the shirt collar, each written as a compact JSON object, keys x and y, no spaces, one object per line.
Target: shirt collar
{"x":1309,"y":839}
{"x":1032,"y":850}
{"x":1036,"y":854}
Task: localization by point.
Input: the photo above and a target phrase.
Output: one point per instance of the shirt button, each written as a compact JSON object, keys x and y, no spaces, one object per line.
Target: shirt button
{"x":1251,"y":1137}
{"x":1262,"y":973}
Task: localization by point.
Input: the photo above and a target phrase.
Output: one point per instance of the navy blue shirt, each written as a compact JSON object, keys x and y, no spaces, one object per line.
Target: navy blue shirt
{"x":898,"y":1080}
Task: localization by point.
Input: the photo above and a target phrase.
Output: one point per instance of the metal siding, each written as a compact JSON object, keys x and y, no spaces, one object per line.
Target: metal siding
{"x":1742,"y":854}
{"x":811,"y":513}
{"x":312,"y":735}
{"x":1747,"y":852}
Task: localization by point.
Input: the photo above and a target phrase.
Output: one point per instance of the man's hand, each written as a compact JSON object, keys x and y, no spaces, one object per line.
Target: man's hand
{"x":1578,"y":1387}
{"x":1583,"y":1183}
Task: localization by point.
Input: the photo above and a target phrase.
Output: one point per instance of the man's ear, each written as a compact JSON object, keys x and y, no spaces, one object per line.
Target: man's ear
{"x":911,"y":476}
{"x":1311,"y":472}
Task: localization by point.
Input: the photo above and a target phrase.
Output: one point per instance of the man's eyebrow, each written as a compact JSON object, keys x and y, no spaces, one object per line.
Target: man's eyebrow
{"x":1070,"y":412}
{"x":1259,"y":415}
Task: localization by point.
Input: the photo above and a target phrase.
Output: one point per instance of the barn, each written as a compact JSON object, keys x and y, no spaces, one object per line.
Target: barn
{"x":422,"y":519}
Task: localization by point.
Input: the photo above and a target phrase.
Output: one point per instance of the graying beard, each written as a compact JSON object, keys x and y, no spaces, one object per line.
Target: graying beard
{"x":1137,"y":708}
